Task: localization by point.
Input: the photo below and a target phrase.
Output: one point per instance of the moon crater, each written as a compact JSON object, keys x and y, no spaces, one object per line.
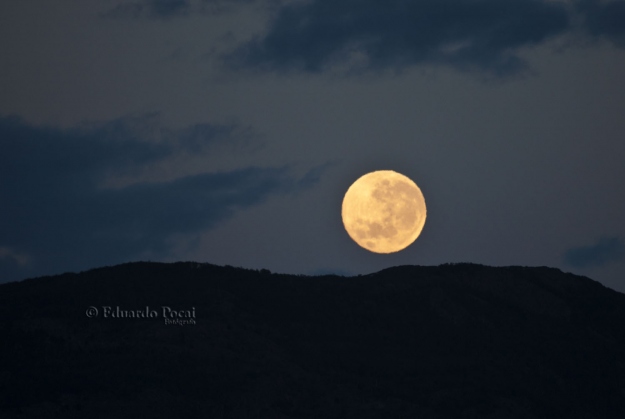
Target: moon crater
{"x":384,"y":211}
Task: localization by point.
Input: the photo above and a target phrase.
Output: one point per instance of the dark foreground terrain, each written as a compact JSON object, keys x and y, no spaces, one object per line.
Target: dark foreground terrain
{"x":454,"y":341}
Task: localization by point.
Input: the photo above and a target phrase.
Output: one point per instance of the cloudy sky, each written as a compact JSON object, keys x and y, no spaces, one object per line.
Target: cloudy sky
{"x":227,"y":131}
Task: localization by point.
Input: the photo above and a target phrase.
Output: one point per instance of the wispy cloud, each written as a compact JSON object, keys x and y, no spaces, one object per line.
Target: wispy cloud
{"x":313,"y":36}
{"x":469,"y":34}
{"x":56,"y":210}
{"x":606,"y":250}
{"x":369,"y":35}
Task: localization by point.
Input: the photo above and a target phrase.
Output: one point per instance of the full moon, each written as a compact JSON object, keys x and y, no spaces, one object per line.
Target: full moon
{"x":384,"y":211}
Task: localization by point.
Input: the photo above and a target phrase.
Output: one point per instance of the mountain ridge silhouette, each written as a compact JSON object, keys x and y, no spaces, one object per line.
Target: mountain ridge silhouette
{"x":450,"y":341}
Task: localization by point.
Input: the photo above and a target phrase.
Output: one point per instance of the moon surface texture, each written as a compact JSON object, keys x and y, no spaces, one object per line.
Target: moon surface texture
{"x":384,"y":211}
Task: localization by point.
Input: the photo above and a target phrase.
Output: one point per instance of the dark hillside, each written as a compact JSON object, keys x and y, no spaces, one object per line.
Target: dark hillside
{"x":453,"y":341}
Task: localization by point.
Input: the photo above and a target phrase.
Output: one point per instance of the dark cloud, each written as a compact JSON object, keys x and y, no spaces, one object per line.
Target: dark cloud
{"x":373,"y":35}
{"x":606,"y":250}
{"x":310,"y":36}
{"x":314,"y":175}
{"x":57,"y":216}
{"x":604,"y":19}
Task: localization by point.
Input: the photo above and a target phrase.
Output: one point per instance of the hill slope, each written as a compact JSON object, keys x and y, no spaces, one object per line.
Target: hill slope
{"x":454,"y":341}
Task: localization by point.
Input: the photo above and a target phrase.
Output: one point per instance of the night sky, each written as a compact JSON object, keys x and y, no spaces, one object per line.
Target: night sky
{"x":227,"y":131}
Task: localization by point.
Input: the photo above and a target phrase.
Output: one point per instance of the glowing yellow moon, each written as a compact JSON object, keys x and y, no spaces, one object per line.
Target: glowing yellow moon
{"x":384,"y":211}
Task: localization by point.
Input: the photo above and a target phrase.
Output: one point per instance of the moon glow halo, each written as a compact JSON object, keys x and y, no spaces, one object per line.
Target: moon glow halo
{"x":384,"y":211}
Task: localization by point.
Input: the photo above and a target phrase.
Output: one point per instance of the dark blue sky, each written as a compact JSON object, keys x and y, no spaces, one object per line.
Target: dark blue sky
{"x":227,"y":131}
